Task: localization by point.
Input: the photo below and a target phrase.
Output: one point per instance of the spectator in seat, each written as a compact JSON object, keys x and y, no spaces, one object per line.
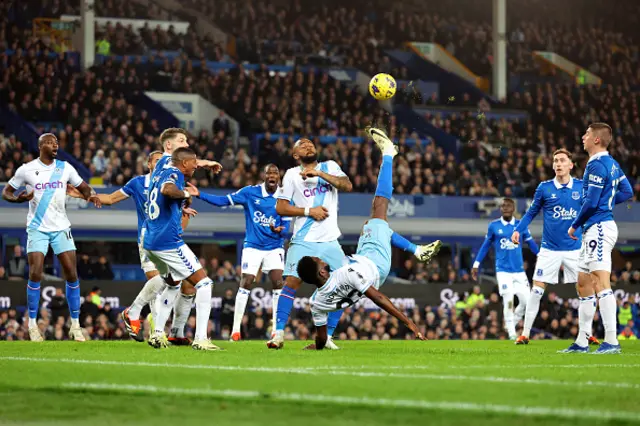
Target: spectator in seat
{"x":17,"y":267}
{"x":102,"y":269}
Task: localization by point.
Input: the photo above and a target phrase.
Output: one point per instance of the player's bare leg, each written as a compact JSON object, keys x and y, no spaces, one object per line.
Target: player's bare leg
{"x":242,"y":297}
{"x":70,"y":272}
{"x":277,"y":282}
{"x":36,"y":266}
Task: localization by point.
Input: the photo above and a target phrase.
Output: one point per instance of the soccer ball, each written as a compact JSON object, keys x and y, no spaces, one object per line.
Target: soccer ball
{"x":382,"y":86}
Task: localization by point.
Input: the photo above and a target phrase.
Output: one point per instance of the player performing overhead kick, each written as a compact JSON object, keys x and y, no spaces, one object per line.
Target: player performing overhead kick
{"x":264,"y":241}
{"x":605,"y":185}
{"x":560,"y":200}
{"x":364,"y":273}
{"x":512,"y":280}
{"x":167,"y":250}
{"x":48,"y":225}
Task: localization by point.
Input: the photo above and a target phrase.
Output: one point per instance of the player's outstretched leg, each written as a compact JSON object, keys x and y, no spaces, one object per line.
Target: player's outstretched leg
{"x":533,"y":306}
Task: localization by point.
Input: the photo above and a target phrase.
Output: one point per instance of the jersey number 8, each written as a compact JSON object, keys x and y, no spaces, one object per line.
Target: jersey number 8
{"x":153,"y":209}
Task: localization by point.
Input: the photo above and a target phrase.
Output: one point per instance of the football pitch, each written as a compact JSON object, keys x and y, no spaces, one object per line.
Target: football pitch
{"x":372,"y":383}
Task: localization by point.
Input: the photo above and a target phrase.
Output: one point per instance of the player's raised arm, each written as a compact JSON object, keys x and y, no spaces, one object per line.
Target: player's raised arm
{"x":528,"y":217}
{"x":484,"y":249}
{"x":209,"y":164}
{"x":285,"y":195}
{"x":383,"y":302}
{"x":9,"y":190}
{"x":335,"y":176}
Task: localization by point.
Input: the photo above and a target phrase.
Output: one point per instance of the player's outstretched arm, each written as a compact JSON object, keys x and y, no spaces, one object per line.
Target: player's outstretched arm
{"x":209,"y":164}
{"x":383,"y":302}
{"x":89,"y":194}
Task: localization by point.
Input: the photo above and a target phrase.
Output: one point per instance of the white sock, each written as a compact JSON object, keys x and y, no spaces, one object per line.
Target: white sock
{"x":181,"y":312}
{"x":520,"y":310}
{"x":507,"y":311}
{"x":533,"y":306}
{"x":33,"y":322}
{"x":163,"y":309}
{"x":586,"y":311}
{"x":75,"y":322}
{"x":608,"y":313}
{"x":151,"y":288}
{"x":241,"y":304}
{"x":203,"y":308}
{"x":274,"y":305}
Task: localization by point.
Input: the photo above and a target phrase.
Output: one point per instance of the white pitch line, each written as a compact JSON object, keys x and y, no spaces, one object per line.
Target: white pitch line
{"x":458,"y":406}
{"x":337,"y":372}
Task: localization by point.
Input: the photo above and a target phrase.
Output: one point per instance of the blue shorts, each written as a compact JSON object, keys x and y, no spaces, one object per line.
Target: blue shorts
{"x":330,"y":252}
{"x":39,"y":242}
{"x":375,"y":244}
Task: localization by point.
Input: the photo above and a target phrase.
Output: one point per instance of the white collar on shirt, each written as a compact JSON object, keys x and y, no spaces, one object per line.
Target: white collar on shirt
{"x":265,"y":194}
{"x":511,"y":222}
{"x":597,"y":155}
{"x":559,"y":185}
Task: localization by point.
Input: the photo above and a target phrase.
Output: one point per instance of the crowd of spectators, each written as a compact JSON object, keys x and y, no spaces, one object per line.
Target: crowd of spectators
{"x":477,"y":317}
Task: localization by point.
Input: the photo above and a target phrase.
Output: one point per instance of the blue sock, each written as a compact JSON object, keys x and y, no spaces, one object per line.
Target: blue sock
{"x":33,"y":298}
{"x":73,"y":299}
{"x":333,"y":320}
{"x":385,"y":178}
{"x":401,"y":242}
{"x":285,"y":303}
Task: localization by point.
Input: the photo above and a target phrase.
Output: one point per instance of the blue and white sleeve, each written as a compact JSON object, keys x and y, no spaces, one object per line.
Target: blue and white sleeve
{"x":484,"y":249}
{"x":625,"y":191}
{"x":532,"y":212}
{"x":531,"y":242}
{"x":595,"y":176}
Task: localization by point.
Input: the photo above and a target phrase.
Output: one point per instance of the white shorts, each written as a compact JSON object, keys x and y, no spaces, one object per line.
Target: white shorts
{"x":181,"y":263}
{"x":146,"y":263}
{"x":549,"y":263}
{"x":253,"y":259}
{"x":597,"y":245}
{"x":512,"y":283}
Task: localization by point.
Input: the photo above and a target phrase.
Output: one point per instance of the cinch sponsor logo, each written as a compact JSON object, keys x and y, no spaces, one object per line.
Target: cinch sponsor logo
{"x":561,"y":213}
{"x":507,"y":244}
{"x":49,"y":185}
{"x":320,"y":189}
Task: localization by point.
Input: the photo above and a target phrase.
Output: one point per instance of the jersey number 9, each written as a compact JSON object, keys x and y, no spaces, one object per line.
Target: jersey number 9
{"x":153,"y":210}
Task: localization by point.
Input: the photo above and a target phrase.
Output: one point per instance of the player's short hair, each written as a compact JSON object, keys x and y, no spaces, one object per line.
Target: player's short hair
{"x":152,"y":153}
{"x":270,"y":165}
{"x":181,"y":154}
{"x":605,"y":133}
{"x":170,"y":133}
{"x":44,"y":135}
{"x":300,"y":141}
{"x":308,"y":270}
{"x":509,"y":200}
{"x":563,"y":151}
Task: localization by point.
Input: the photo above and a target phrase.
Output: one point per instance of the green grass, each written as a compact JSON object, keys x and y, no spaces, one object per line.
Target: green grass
{"x":373,"y":383}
